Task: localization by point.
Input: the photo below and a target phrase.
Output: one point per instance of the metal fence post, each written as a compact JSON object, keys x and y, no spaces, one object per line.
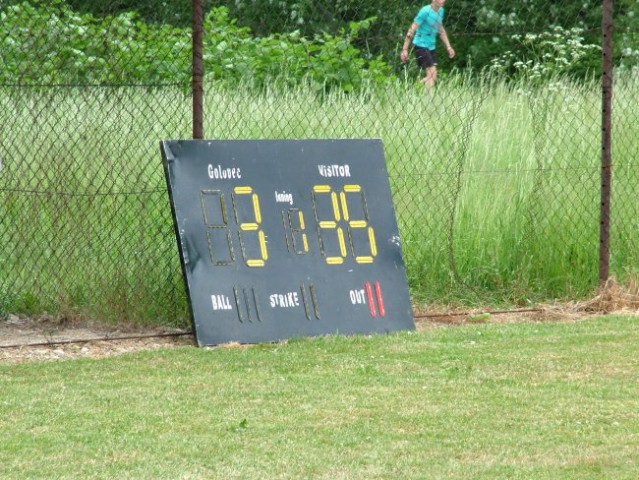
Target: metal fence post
{"x":198,"y":69}
{"x":606,"y":139}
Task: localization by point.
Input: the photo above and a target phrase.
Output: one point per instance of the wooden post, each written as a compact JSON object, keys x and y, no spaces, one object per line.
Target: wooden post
{"x":606,"y":142}
{"x":198,"y":69}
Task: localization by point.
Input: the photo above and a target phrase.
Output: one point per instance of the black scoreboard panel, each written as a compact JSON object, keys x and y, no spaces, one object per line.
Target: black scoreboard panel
{"x":286,"y":238}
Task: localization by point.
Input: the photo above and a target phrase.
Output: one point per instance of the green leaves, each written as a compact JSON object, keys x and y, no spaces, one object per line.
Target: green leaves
{"x":233,"y":55}
{"x":542,"y":56}
{"x":51,"y":44}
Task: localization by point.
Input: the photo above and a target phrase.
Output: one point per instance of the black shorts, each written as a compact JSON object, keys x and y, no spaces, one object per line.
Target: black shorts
{"x":425,"y":58}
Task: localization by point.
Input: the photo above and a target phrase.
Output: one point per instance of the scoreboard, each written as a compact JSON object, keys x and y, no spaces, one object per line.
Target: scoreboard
{"x":286,"y":238}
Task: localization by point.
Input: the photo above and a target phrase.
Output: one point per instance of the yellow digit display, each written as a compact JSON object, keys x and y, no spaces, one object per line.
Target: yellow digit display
{"x":339,"y":204}
{"x":323,"y":224}
{"x":238,"y":193}
{"x":347,"y":217}
{"x":297,"y":226}
{"x":360,"y":223}
{"x":218,"y":234}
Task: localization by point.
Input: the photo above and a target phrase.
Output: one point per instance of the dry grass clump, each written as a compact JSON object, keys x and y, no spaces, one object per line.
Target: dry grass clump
{"x":613,"y":297}
{"x":609,"y":298}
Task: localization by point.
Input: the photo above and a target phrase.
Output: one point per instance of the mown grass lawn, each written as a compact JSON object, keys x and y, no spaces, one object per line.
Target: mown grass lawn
{"x":493,"y":401}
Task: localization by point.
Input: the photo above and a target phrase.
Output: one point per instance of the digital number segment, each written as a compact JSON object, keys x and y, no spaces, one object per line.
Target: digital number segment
{"x":275,"y":241}
{"x":343,"y":233}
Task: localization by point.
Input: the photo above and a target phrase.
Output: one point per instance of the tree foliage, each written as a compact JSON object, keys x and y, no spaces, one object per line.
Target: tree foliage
{"x":326,"y":61}
{"x":349,"y":43}
{"x":53,"y":44}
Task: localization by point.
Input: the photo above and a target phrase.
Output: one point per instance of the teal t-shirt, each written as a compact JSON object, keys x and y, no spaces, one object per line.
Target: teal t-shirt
{"x":429,"y":22}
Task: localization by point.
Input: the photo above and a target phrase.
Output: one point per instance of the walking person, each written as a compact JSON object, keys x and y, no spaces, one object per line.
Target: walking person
{"x":423,"y":32}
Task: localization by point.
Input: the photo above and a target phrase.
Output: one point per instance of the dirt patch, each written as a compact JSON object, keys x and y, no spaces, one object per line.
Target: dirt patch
{"x":425,"y":319}
{"x":28,"y":339}
{"x":611,"y":298}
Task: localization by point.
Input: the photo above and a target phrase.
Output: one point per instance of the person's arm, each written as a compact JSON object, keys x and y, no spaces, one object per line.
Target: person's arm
{"x":444,"y":37}
{"x":407,"y":41}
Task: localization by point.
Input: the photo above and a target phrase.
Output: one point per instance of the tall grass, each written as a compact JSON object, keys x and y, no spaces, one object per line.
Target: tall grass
{"x":495,"y":185}
{"x":86,"y":224}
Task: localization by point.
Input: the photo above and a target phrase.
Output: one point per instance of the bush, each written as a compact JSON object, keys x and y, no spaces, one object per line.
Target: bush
{"x":52,"y":44}
{"x":480,"y":29}
{"x":326,"y":61}
{"x":547,"y":55}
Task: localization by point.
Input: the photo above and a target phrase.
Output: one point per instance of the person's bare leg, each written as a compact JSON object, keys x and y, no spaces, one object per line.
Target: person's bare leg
{"x":430,"y":78}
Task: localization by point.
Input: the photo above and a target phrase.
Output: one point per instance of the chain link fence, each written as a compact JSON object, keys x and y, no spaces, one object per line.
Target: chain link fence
{"x":496,"y":182}
{"x":85,"y":220}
